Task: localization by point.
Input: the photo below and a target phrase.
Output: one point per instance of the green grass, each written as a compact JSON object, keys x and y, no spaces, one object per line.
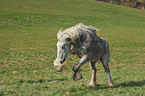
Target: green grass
{"x":28,"y":31}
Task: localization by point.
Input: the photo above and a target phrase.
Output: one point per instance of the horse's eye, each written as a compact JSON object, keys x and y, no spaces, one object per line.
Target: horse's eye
{"x":63,"y":46}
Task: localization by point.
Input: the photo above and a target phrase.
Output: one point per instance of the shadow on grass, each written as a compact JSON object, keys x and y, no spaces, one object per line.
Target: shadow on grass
{"x":131,"y":84}
{"x":124,"y":84}
{"x":42,"y":80}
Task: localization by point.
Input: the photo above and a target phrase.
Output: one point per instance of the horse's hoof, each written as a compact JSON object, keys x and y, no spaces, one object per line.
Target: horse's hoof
{"x":110,"y":85}
{"x":92,"y":84}
{"x":77,"y":75}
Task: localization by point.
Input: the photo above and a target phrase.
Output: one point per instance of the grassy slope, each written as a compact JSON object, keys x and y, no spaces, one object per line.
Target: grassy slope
{"x":27,"y":49}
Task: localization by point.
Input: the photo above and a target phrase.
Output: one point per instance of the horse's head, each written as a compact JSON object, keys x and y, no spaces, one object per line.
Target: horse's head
{"x":63,"y":50}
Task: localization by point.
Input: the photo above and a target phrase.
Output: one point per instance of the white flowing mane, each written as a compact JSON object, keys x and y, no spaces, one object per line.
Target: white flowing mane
{"x":76,"y":31}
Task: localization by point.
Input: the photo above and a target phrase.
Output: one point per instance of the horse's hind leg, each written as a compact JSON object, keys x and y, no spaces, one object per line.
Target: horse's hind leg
{"x":105,"y":61}
{"x":93,"y":78}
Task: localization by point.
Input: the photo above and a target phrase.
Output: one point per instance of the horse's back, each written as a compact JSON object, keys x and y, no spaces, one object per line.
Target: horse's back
{"x":98,"y":47}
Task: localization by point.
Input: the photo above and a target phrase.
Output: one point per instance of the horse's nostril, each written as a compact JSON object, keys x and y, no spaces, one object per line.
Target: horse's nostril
{"x":61,"y":61}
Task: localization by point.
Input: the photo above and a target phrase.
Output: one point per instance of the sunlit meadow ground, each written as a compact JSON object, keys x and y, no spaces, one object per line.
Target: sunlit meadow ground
{"x":28,"y":48}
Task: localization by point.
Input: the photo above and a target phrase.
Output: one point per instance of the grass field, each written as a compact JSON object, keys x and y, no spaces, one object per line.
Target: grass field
{"x":28,"y":31}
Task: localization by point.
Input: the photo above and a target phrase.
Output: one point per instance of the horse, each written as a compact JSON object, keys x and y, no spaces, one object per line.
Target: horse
{"x":83,"y":41}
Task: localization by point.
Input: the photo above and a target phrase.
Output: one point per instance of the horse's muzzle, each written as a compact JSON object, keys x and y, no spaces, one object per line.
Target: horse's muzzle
{"x":57,"y":65}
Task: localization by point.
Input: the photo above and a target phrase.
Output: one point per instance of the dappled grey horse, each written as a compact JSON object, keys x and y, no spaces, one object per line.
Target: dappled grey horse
{"x":83,"y":41}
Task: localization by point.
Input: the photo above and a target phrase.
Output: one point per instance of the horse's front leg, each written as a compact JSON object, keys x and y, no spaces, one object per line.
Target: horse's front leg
{"x":93,"y":79}
{"x":76,"y":68}
{"x":82,"y":61}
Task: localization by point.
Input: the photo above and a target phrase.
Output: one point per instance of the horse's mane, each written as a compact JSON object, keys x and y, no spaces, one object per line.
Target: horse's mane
{"x":77,"y":31}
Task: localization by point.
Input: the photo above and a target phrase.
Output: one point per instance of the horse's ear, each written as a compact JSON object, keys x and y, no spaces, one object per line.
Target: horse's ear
{"x":60,"y":30}
{"x":68,"y":39}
